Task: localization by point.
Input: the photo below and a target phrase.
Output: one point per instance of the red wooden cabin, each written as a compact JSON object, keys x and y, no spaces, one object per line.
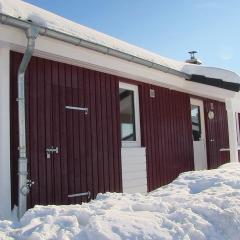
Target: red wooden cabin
{"x":102,"y":115}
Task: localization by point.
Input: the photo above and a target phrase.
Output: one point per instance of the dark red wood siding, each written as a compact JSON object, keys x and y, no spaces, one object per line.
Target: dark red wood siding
{"x":89,"y":157}
{"x":216,"y":133}
{"x":166,"y":134}
{"x":89,"y":145}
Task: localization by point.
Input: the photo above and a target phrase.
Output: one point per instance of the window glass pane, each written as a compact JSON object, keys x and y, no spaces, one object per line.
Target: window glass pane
{"x":127,"y":118}
{"x":196,"y":123}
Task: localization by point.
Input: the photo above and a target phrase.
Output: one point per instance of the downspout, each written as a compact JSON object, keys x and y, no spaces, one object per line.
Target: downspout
{"x":23,"y":183}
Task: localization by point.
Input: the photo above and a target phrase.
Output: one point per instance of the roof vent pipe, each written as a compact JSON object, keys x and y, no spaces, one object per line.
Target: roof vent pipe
{"x":192,"y":59}
{"x":23,"y":183}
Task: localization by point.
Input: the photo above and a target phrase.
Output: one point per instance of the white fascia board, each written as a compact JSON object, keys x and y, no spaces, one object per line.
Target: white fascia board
{"x":207,"y":91}
{"x":63,"y":52}
{"x":68,"y":53}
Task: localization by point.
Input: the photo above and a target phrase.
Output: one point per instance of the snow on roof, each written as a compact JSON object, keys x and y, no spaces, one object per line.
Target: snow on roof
{"x":26,"y":11}
{"x":212,"y":72}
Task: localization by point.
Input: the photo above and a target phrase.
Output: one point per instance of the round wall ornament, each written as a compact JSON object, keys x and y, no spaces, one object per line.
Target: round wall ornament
{"x":211,"y":115}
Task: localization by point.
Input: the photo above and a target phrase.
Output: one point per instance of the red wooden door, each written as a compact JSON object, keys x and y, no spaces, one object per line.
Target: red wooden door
{"x":69,"y":131}
{"x":216,"y":133}
{"x":58,"y":154}
{"x":88,"y":145}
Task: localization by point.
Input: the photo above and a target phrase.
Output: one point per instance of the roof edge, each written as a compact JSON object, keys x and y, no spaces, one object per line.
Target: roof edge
{"x":215,"y":82}
{"x":77,"y":41}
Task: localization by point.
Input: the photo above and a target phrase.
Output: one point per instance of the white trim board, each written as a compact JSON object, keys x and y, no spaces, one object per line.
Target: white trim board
{"x":134,"y":171}
{"x":199,"y":147}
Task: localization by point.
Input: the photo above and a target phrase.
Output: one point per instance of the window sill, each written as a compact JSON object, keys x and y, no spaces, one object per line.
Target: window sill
{"x":131,"y":144}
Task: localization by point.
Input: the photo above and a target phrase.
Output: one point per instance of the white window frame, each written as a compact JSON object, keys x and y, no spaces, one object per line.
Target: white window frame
{"x":199,"y":103}
{"x":133,"y":88}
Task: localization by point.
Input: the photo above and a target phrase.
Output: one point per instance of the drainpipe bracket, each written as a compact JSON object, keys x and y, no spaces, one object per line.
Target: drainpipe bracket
{"x":20,"y":99}
{"x":23,"y":173}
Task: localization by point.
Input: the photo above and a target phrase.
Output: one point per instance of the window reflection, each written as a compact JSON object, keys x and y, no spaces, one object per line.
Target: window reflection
{"x":196,"y":123}
{"x":127,"y":118}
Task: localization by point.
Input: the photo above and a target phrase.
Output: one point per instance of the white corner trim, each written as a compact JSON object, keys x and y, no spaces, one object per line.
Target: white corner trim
{"x":5,"y":177}
{"x":232,"y":131}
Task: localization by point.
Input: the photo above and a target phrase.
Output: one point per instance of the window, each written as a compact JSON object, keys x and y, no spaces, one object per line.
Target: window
{"x":129,"y":115}
{"x":196,"y":123}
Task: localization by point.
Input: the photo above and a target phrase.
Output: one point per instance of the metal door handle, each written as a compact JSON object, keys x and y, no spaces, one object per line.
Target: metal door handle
{"x":212,"y":140}
{"x":88,"y":194}
{"x":51,"y":150}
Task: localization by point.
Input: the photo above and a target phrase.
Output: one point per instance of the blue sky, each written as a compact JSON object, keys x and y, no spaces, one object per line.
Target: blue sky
{"x":168,"y":27}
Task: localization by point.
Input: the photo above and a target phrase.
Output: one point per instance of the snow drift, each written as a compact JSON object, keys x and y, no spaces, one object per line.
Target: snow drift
{"x":198,"y":205}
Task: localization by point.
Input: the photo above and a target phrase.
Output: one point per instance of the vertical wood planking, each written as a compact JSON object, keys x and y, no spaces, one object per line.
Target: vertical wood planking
{"x":110,"y":131}
{"x":216,"y":133}
{"x":15,"y":60}
{"x":55,"y":158}
{"x":82,"y":133}
{"x":99,"y":127}
{"x":70,"y":134}
{"x":166,"y":134}
{"x":105,"y":136}
{"x":116,"y":143}
{"x":75,"y":134}
{"x":88,"y":132}
{"x":94,"y":147}
{"x":48,"y":129}
{"x":149,"y":144}
{"x":41,"y":131}
{"x":63,"y":129}
{"x":89,"y":145}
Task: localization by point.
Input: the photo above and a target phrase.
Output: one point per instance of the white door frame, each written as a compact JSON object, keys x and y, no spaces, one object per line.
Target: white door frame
{"x":133,"y":88}
{"x":200,"y":154}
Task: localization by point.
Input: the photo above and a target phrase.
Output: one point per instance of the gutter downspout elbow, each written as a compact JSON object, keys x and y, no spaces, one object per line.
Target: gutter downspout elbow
{"x":24,"y":184}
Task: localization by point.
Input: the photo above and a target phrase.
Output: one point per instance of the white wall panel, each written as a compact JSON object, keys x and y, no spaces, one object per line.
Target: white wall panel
{"x":134,"y":174}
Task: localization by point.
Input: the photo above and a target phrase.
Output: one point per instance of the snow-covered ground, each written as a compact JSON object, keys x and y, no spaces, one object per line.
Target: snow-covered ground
{"x":198,"y":205}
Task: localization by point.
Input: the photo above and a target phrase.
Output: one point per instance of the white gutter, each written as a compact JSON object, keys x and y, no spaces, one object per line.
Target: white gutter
{"x":19,"y":23}
{"x":23,"y":183}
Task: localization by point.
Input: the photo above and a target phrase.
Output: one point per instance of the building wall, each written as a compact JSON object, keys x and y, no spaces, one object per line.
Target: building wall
{"x":89,"y":145}
{"x":166,"y":134}
{"x":165,"y":123}
{"x":216,"y":133}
